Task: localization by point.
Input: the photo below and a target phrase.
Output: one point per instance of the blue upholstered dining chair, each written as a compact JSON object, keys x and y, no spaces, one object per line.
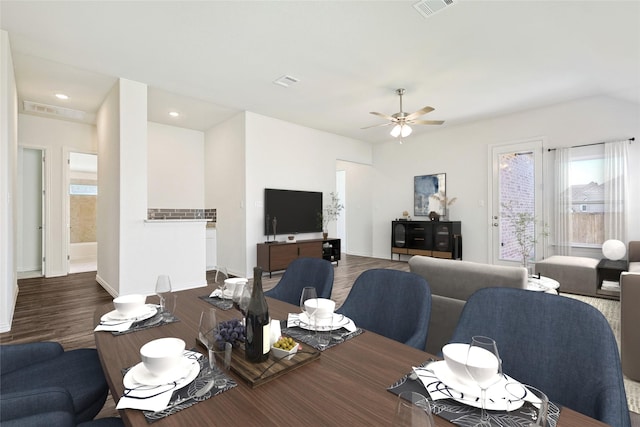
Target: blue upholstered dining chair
{"x":42,"y":381}
{"x":393,"y":303}
{"x":560,"y":345}
{"x":300,"y":273}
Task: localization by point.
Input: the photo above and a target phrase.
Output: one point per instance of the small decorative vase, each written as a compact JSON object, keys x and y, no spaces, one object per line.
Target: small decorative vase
{"x":325,"y":234}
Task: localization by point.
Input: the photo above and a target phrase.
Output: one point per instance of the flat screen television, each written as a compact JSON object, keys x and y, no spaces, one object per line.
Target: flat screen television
{"x":295,"y":211}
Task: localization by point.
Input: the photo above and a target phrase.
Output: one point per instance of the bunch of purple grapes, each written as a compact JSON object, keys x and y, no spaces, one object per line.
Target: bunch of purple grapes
{"x":230,"y":331}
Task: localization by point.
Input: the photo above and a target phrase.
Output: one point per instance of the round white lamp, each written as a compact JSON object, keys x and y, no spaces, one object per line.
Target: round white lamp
{"x":614,"y":249}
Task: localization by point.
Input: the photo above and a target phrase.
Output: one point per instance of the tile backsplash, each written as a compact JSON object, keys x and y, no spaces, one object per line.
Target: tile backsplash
{"x":168,"y":214}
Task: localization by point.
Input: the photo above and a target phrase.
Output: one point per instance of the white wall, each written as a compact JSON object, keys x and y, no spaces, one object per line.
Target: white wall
{"x":8,"y":183}
{"x":131,"y":251}
{"x":108,"y":205}
{"x":56,"y":137}
{"x":288,"y":156}
{"x":462,"y":153}
{"x":358,"y":208}
{"x":175,"y":167}
{"x":249,"y":153}
{"x":225,"y":191}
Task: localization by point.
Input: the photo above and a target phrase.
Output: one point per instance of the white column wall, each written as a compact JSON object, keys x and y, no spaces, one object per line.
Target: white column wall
{"x":142,"y":250}
{"x":8,"y":184}
{"x":225,"y":191}
{"x":108,"y":206}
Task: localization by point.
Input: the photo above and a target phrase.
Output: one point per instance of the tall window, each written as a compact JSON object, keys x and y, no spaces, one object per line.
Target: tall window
{"x":590,"y":195}
{"x":586,"y":179}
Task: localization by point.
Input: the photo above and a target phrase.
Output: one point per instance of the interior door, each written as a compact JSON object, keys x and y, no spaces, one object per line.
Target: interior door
{"x":516,"y":180}
{"x":31,"y":229}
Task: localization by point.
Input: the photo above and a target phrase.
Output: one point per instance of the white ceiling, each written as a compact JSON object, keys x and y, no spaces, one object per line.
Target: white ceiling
{"x":211,"y":59}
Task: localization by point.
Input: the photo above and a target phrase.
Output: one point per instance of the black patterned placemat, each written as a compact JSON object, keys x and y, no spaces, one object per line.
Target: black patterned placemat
{"x":220,"y":303}
{"x":308,"y":337}
{"x":464,"y":415}
{"x":187,"y":393}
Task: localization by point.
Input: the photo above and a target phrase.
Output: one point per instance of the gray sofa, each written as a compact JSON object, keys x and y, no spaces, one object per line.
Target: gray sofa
{"x":634,"y":256}
{"x":629,"y":319}
{"x":629,"y":315}
{"x":451,"y":283}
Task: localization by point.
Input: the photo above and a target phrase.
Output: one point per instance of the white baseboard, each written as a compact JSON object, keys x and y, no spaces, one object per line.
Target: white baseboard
{"x":106,"y":286}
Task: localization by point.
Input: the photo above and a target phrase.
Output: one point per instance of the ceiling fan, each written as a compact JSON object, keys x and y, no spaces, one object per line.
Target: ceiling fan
{"x":402,"y":120}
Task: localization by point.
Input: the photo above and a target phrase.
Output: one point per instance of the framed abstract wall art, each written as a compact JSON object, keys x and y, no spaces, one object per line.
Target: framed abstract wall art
{"x":424,"y":188}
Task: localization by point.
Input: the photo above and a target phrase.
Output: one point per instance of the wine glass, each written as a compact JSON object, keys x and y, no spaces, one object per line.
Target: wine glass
{"x":207,"y":330}
{"x":412,"y":410}
{"x":241,"y":297}
{"x":308,"y":292}
{"x":163,"y":290}
{"x":530,"y":402}
{"x":484,"y":366}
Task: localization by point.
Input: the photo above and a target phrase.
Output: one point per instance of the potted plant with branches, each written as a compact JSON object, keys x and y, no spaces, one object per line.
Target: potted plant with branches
{"x":524,"y":223}
{"x":330,"y":213}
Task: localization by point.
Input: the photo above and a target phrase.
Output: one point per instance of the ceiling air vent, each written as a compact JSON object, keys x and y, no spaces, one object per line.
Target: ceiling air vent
{"x":286,"y":81}
{"x":427,"y":8}
{"x":52,"y":110}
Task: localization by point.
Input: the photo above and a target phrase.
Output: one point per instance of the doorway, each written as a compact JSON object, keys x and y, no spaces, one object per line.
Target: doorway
{"x":31,"y":205}
{"x":515,"y":192}
{"x":341,"y":189}
{"x":82,"y":212}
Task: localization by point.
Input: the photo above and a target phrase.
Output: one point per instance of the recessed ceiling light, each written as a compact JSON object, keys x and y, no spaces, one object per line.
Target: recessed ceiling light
{"x":174,"y":113}
{"x":61,"y":96}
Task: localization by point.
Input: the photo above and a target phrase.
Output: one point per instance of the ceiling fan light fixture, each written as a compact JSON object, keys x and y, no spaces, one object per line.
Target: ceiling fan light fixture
{"x":401,"y":130}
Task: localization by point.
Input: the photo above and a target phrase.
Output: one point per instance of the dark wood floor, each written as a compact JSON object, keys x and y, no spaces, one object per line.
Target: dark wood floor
{"x":61,"y":308}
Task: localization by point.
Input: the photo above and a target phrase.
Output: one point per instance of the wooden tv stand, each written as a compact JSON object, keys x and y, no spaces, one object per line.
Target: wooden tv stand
{"x":277,"y":256}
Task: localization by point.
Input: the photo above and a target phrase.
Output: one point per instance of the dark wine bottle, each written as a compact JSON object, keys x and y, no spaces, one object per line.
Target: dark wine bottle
{"x":257,"y":344}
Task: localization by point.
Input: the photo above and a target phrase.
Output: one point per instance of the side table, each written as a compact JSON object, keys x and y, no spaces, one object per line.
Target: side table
{"x":543,"y":284}
{"x":609,"y":276}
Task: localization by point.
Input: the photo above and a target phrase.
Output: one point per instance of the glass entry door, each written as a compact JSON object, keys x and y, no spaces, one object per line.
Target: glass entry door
{"x":516,"y":198}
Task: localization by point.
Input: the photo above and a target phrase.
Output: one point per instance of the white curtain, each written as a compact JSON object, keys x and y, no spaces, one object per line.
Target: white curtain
{"x":562,"y":207}
{"x":615,"y":190}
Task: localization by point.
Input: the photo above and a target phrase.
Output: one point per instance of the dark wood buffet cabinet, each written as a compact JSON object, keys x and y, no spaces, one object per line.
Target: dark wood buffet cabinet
{"x":440,"y":239}
{"x":277,"y":256}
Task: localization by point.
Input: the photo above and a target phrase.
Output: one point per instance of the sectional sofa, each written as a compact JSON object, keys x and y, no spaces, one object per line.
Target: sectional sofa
{"x":451,"y":283}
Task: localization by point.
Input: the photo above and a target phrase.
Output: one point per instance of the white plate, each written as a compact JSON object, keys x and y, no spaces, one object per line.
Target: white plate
{"x":145,"y":312}
{"x":497,"y":396}
{"x":339,"y":321}
{"x":184,"y":374}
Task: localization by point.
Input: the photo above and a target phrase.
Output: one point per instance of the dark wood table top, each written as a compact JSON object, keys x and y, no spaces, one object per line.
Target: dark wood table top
{"x":346,"y":385}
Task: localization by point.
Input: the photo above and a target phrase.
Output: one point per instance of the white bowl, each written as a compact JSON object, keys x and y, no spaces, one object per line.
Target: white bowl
{"x":321,"y":308}
{"x":279,"y":353}
{"x":481,"y":363}
{"x":163,"y":355}
{"x":128,"y":304}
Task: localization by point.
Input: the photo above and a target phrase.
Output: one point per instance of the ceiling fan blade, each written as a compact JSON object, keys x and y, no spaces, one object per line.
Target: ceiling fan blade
{"x":420,"y":112}
{"x":377,"y":126}
{"x":384,"y":116}
{"x":426,"y":122}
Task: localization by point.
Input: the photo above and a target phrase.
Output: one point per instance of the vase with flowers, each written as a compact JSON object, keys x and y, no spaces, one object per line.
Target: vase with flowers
{"x":441,"y":198}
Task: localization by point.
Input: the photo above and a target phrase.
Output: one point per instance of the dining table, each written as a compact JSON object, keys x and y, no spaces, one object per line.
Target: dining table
{"x":346,"y":385}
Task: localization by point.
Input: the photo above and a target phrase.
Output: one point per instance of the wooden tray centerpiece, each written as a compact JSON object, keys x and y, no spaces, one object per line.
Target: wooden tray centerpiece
{"x":256,"y":374}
